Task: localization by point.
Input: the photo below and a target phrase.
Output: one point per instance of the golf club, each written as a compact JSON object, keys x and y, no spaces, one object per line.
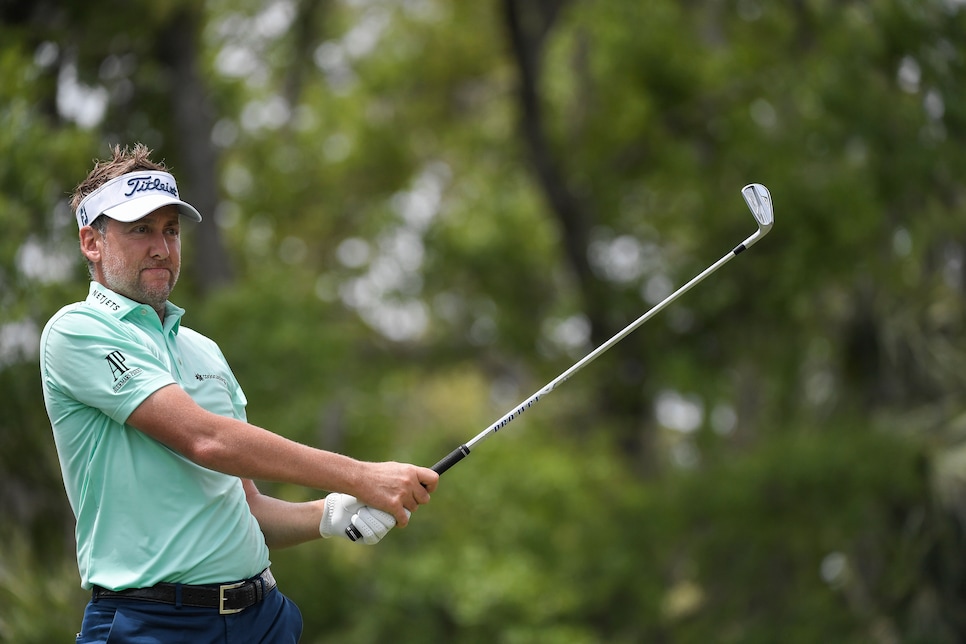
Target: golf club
{"x":759,"y":202}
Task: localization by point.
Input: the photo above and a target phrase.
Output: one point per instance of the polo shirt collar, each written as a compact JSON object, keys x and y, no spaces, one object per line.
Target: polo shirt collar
{"x":116,"y":305}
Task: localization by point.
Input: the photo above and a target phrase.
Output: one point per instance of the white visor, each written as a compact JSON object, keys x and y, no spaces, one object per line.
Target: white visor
{"x":132,"y":196}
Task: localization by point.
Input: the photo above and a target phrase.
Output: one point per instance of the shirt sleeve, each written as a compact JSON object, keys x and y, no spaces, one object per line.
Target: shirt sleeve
{"x":102,"y":364}
{"x":239,"y":400}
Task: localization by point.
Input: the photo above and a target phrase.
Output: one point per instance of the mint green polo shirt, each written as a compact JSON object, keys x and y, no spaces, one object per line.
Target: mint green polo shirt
{"x":145,"y":514}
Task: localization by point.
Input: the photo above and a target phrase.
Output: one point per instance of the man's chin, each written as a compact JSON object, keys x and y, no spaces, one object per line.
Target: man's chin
{"x":156,"y":295}
{"x":153,"y":293}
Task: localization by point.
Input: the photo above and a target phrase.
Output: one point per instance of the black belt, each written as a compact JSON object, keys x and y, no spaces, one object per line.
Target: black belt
{"x":227,"y":598}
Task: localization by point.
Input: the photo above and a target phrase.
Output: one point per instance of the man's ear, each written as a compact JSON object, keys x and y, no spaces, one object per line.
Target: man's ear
{"x":90,"y":243}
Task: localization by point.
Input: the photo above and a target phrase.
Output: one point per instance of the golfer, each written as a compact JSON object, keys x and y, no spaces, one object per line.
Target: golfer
{"x":158,"y":460}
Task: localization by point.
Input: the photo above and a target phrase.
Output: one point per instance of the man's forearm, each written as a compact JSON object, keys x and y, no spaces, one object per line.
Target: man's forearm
{"x":235,"y":447}
{"x":284,"y":524}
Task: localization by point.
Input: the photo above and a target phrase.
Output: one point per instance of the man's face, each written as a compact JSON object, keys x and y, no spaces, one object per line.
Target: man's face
{"x":141,"y":259}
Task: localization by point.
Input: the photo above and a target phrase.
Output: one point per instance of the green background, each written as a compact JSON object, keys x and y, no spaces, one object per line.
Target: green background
{"x":419,"y":212}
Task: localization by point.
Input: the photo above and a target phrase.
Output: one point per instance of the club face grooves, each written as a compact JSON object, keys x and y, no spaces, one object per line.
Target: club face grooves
{"x":759,"y":202}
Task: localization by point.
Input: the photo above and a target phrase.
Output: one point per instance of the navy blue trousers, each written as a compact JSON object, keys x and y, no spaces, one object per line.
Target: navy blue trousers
{"x":274,"y":620}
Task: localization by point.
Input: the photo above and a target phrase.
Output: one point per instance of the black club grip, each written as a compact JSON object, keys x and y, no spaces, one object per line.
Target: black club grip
{"x":451,"y":459}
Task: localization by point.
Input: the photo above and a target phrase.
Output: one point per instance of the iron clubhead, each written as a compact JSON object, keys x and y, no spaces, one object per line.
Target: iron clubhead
{"x":759,"y":202}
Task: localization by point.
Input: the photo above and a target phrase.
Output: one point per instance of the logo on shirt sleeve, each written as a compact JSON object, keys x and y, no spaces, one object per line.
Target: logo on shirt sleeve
{"x":119,"y":369}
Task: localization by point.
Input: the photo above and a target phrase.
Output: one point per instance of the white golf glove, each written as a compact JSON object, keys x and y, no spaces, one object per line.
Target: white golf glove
{"x":343,"y":510}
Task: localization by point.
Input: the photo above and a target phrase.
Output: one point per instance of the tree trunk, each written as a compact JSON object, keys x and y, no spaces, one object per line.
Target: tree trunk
{"x":622,"y":397}
{"x":193,"y":121}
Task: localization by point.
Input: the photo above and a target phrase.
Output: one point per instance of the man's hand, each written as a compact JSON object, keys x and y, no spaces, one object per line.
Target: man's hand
{"x":343,"y":510}
{"x":396,"y":488}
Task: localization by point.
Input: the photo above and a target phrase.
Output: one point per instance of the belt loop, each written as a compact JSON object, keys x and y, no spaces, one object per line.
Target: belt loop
{"x":177,"y":596}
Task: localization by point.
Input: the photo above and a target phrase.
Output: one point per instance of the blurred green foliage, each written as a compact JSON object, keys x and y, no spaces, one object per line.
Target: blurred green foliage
{"x":776,"y":457}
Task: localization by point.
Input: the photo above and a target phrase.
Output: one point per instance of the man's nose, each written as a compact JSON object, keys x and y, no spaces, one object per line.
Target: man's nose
{"x":159,"y":246}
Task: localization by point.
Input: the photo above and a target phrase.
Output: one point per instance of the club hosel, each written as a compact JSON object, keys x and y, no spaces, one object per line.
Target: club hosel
{"x":745,"y":245}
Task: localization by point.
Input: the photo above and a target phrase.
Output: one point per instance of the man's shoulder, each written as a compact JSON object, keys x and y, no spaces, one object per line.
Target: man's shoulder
{"x":79,"y":325}
{"x":67,"y":315}
{"x":199,"y":340}
{"x":188,"y":333}
{"x":70,"y":331}
{"x":75,"y":315}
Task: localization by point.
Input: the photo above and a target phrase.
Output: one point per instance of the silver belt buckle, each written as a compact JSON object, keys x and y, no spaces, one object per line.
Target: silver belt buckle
{"x":221,"y":598}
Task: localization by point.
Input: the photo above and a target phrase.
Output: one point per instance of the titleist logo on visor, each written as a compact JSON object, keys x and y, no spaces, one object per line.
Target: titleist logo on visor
{"x":142,"y":184}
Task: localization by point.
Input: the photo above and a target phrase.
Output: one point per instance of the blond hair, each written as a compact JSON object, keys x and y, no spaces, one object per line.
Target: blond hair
{"x":122,"y":161}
